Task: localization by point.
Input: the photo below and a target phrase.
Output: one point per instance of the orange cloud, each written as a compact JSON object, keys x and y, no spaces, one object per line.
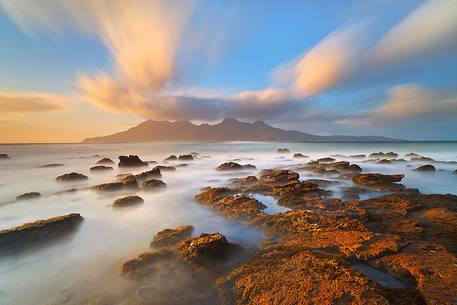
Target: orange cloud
{"x":12,"y":102}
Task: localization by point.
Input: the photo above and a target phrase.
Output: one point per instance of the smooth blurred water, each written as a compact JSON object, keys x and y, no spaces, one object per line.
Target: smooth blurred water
{"x":107,"y":237}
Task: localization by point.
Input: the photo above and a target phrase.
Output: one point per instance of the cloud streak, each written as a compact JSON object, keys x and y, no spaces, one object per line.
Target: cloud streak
{"x":12,"y":102}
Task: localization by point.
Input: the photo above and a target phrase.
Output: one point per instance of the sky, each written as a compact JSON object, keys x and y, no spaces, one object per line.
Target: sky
{"x":80,"y":68}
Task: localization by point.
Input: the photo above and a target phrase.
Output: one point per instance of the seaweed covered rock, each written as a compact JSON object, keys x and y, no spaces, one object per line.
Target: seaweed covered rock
{"x":153,"y":184}
{"x":105,"y":161}
{"x":170,"y":237}
{"x":234,"y":166}
{"x":206,"y":249}
{"x":71,"y":177}
{"x":29,"y":195}
{"x":426,"y":168}
{"x":145,"y":263}
{"x":127,"y":201}
{"x":40,"y":231}
{"x":131,"y":161}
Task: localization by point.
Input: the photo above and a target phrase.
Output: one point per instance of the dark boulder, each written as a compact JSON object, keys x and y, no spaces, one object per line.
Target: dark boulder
{"x":325,"y":160}
{"x":426,"y":168}
{"x":100,"y":168}
{"x":30,"y":195}
{"x":38,"y":231}
{"x":185,"y":157}
{"x":109,"y":187}
{"x":128,"y":201}
{"x":129,"y":182}
{"x":283,"y":151}
{"x":4,"y":156}
{"x":164,"y":168}
{"x":71,"y":177}
{"x":421,"y":159}
{"x":234,"y":166}
{"x":170,"y":237}
{"x":153,"y":184}
{"x":412,"y":155}
{"x":384,"y":161}
{"x":105,"y":161}
{"x":361,"y":156}
{"x":454,"y":172}
{"x":375,"y":179}
{"x":131,"y":161}
{"x":145,"y":263}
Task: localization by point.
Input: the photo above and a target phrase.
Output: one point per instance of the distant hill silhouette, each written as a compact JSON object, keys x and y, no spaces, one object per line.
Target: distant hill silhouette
{"x":228,"y":130}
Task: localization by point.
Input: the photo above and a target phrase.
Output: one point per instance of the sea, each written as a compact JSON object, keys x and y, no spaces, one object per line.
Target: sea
{"x":88,"y":260}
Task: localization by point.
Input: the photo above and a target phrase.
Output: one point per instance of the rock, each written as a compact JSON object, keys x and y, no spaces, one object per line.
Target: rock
{"x":283,"y":151}
{"x":128,"y":201}
{"x":385,"y":155}
{"x":375,"y":179}
{"x":454,"y":171}
{"x":38,"y":231}
{"x":299,"y":156}
{"x":206,"y":248}
{"x":171,"y":158}
{"x":325,"y":160}
{"x":164,"y":168}
{"x":129,"y":182}
{"x":421,"y":159}
{"x":71,"y":177}
{"x":109,"y":187}
{"x":411,"y":155}
{"x":153,"y":184}
{"x":30,"y":195}
{"x":151,"y":162}
{"x":100,"y":168}
{"x":384,"y":161}
{"x":185,"y":157}
{"x":153,"y":173}
{"x":170,"y":237}
{"x":426,"y":168}
{"x":357,"y":156}
{"x":144,"y":264}
{"x":105,"y":161}
{"x":234,"y":166}
{"x":4,"y":156}
{"x":52,"y":165}
{"x":131,"y":161}
{"x":277,"y":177}
{"x":209,"y":195}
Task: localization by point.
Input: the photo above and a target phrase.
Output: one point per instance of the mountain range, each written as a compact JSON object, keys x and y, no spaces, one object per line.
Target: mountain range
{"x":229,"y":129}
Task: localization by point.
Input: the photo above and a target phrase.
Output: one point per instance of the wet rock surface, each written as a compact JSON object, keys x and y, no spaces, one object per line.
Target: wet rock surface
{"x":38,"y":232}
{"x":170,"y":237}
{"x":72,"y":177}
{"x":100,"y":168}
{"x":29,"y":195}
{"x":105,"y":161}
{"x":426,"y":168}
{"x":153,"y":185}
{"x":127,"y":201}
{"x":131,"y":161}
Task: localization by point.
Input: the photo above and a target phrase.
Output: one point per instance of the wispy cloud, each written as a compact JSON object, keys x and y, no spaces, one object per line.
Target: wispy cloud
{"x":13,"y":102}
{"x":406,"y":103}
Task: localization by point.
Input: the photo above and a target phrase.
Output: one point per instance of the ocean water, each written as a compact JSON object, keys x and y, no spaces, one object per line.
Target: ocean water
{"x":89,"y":259}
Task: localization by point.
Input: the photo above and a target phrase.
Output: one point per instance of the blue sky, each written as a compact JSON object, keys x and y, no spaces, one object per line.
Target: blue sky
{"x":333,"y":67}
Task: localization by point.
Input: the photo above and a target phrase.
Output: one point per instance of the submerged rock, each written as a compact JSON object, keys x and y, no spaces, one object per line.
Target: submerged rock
{"x":100,"y":168}
{"x":153,"y":173}
{"x":30,"y":195}
{"x":234,"y":166}
{"x":361,"y":156}
{"x":131,"y":161}
{"x":186,"y":157}
{"x":325,"y":160}
{"x":421,"y":159}
{"x":52,"y":165}
{"x":105,"y":161}
{"x":283,"y":151}
{"x":129,"y":182}
{"x":426,"y":168}
{"x":36,"y":232}
{"x":164,"y":168}
{"x":384,"y":161}
{"x":4,"y":156}
{"x":375,"y":179}
{"x":171,"y":158}
{"x":72,"y":177}
{"x":109,"y":187}
{"x":384,"y":155}
{"x":300,"y":156}
{"x":170,"y":237}
{"x":153,"y":184}
{"x":411,"y":155}
{"x":145,"y":263}
{"x":454,"y":171}
{"x":128,"y":201}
